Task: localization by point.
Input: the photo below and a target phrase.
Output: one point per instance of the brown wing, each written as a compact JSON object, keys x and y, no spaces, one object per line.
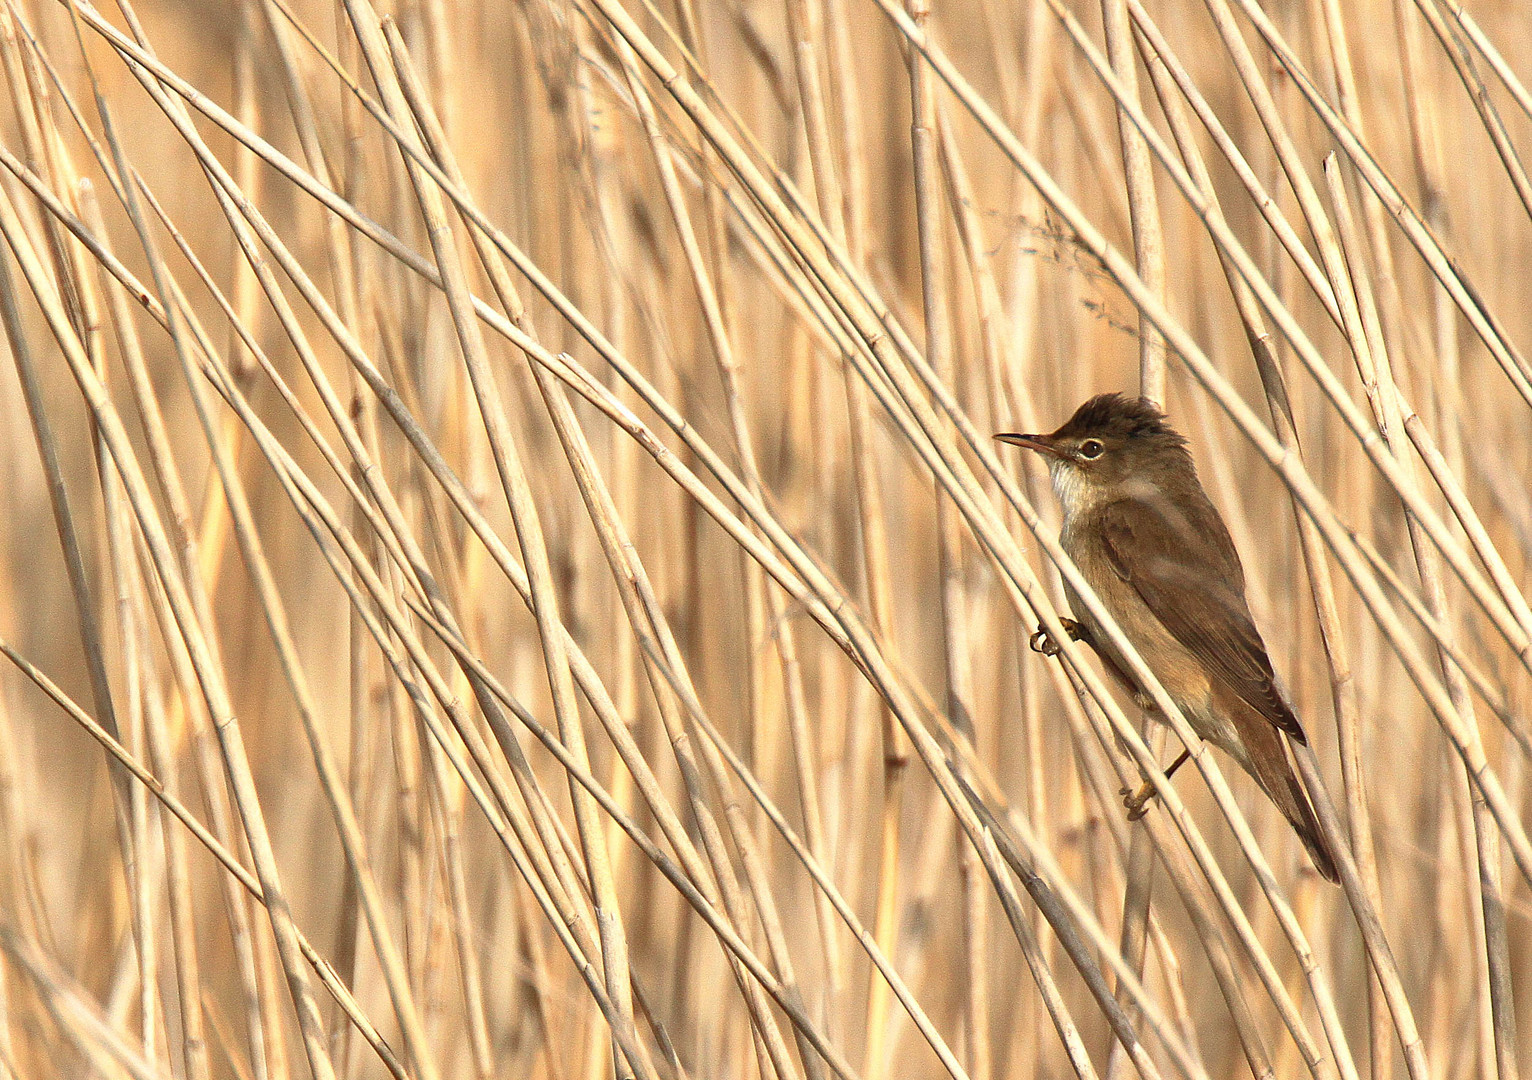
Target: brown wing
{"x":1186,"y":570}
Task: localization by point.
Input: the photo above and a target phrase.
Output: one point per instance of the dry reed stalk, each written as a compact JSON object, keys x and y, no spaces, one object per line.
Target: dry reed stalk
{"x":1489,"y":931}
{"x":617,"y":545}
{"x":719,"y":339}
{"x":1321,"y":585}
{"x":956,"y":633}
{"x":1396,"y":999}
{"x":733,"y":572}
{"x":1256,"y":432}
{"x":78,"y":288}
{"x":1149,"y":258}
{"x":353,"y":842}
{"x":189,"y":624}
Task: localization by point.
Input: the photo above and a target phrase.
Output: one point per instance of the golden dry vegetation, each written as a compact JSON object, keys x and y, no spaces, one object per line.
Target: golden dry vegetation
{"x":501,"y":503}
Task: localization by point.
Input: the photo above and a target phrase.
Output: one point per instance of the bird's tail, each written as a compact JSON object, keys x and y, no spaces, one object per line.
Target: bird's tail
{"x":1271,"y":768}
{"x":1300,"y":813}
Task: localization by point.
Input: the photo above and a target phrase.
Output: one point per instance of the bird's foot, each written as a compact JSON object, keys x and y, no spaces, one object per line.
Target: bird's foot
{"x":1042,"y":641}
{"x":1137,"y":802}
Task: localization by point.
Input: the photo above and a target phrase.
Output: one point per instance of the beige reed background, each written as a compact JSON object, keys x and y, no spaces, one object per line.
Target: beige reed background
{"x":501,"y":505}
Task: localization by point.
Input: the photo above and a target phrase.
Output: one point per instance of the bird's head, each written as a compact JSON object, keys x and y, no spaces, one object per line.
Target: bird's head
{"x":1112,"y":443}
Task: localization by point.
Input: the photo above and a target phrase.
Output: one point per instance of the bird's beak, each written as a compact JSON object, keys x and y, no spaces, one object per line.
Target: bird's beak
{"x":1043,"y":444}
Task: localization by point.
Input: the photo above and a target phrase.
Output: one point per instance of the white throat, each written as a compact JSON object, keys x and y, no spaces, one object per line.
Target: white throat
{"x":1074,"y":493}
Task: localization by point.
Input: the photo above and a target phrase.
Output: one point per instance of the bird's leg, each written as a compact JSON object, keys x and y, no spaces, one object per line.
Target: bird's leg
{"x":1138,"y":802}
{"x":1041,"y":642}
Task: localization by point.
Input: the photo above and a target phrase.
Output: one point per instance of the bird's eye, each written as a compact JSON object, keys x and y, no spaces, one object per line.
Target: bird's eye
{"x":1091,"y":448}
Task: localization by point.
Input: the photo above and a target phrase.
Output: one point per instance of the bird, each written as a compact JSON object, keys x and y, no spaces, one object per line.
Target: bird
{"x":1148,"y":540}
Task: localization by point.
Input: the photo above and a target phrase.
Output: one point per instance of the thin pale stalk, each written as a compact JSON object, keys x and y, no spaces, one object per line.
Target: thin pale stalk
{"x":603,"y":514}
{"x":723,"y":352}
{"x":1490,"y":936}
{"x":955,"y":617}
{"x":863,"y":936}
{"x":409,"y":560}
{"x":1492,"y":695}
{"x":1312,"y":209}
{"x":1143,"y":203}
{"x":91,"y":1035}
{"x":1263,"y":201}
{"x":208,"y":673}
{"x":353,"y":843}
{"x":1470,"y":26}
{"x":190,"y":604}
{"x":1133,"y":938}
{"x":71,"y":283}
{"x":258,"y":1004}
{"x":1463,"y":293}
{"x":479,"y":751}
{"x":1003,"y":408}
{"x":1089,"y":724}
{"x":1074,"y":1046}
{"x":1462,"y":60}
{"x":502,"y":558}
{"x":525,"y":516}
{"x":141,"y":695}
{"x":209,"y":841}
{"x":530,"y":859}
{"x":1288,"y":468}
{"x":1149,"y":258}
{"x":785,"y":997}
{"x":806,"y":28}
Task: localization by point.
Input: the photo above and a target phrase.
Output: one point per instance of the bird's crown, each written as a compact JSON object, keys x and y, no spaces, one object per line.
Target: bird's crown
{"x":1121,"y":417}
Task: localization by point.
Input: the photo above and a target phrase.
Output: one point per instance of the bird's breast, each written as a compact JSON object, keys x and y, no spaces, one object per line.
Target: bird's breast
{"x":1173,"y":664}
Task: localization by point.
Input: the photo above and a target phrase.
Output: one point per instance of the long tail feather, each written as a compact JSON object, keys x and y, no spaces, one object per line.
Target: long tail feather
{"x":1269,"y":764}
{"x":1307,"y":827}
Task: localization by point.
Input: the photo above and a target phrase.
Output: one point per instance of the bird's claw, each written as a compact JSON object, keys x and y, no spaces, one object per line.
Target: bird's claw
{"x":1042,"y":642}
{"x":1137,"y":802}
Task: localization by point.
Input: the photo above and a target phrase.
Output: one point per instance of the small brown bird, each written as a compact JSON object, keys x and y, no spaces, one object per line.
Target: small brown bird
{"x":1145,"y":536}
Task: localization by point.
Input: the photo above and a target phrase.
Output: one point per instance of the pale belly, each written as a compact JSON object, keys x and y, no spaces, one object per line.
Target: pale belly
{"x":1178,"y":670}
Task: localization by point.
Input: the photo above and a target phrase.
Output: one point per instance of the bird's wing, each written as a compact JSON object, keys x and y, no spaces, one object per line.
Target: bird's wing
{"x":1192,"y":581}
